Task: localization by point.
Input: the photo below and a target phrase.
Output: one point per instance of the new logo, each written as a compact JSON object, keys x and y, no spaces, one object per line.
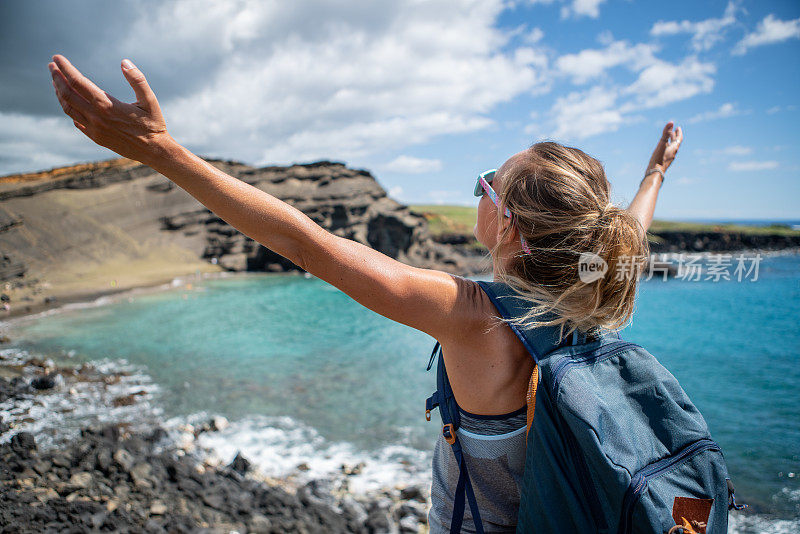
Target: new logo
{"x":591,"y":267}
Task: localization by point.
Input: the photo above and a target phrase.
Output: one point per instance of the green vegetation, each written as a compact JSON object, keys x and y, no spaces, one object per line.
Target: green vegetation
{"x":448,"y":219}
{"x":443,"y":219}
{"x":458,"y":220}
{"x":678,"y":226}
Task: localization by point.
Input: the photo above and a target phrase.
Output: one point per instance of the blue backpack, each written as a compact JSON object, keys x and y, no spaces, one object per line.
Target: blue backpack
{"x":614,"y":445}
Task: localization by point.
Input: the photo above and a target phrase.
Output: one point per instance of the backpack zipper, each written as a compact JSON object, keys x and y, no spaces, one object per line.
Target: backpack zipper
{"x":639,"y":481}
{"x":567,"y":362}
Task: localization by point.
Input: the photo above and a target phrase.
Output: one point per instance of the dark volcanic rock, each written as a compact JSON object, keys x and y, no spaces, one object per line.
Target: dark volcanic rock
{"x":240,"y":464}
{"x":723,"y":241}
{"x":43,"y":493}
{"x":23,"y":444}
{"x":47,"y":381}
{"x":126,"y":478}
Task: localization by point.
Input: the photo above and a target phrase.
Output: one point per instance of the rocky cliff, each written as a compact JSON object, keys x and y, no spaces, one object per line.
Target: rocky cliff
{"x":720,"y":241}
{"x":118,"y":224}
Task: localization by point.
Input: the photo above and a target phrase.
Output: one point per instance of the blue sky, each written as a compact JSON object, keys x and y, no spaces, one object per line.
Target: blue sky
{"x":428,"y":94}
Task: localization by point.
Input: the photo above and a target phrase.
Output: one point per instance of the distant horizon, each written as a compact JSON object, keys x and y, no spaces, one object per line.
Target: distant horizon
{"x":792,"y":221}
{"x":741,"y":220}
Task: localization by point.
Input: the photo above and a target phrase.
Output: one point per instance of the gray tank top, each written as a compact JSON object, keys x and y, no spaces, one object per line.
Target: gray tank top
{"x":494,"y":450}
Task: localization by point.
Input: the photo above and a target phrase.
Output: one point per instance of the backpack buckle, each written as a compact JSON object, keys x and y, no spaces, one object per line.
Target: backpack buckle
{"x":431,"y":403}
{"x":449,"y":433}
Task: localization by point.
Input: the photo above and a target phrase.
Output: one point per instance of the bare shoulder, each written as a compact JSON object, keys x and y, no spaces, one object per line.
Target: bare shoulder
{"x":471,"y":312}
{"x":488,"y":366}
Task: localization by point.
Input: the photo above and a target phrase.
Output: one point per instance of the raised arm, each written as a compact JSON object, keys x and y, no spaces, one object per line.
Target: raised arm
{"x":644,"y":203}
{"x":431,"y":301}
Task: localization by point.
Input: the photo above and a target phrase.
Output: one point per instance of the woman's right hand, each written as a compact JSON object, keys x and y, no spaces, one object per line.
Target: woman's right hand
{"x":667,"y":148}
{"x":136,"y":131}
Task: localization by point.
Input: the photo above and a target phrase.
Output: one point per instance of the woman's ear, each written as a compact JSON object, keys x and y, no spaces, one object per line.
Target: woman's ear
{"x":503,"y":224}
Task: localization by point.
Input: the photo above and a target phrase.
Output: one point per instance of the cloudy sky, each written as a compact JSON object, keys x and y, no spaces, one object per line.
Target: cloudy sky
{"x":427,"y":94}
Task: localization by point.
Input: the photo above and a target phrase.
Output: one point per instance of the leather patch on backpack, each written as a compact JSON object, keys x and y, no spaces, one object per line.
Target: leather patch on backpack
{"x":693,"y":511}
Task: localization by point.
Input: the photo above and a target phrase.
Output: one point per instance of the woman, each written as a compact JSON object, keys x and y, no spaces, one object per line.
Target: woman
{"x":537,"y":214}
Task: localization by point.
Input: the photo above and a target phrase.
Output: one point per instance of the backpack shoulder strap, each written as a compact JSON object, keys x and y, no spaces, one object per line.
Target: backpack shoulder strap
{"x":539,"y":341}
{"x":444,"y":399}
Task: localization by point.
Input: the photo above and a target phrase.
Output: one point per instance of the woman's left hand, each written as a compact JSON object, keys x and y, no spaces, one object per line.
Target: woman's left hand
{"x":134,"y":131}
{"x":667,"y":148}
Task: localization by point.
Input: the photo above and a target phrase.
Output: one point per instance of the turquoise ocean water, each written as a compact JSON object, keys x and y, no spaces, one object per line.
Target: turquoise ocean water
{"x":307,"y":375}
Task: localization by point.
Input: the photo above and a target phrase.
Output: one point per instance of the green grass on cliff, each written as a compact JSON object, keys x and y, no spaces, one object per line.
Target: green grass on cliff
{"x":773,"y":229}
{"x":448,"y":219}
{"x":443,"y":219}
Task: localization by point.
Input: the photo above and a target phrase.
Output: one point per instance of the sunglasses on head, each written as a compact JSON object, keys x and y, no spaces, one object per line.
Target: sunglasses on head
{"x":484,"y":184}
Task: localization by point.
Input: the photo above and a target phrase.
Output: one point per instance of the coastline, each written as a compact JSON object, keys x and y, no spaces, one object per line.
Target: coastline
{"x":67,"y":300}
{"x":93,"y":292}
{"x":144,"y":507}
{"x":125,"y":468}
{"x":181,"y":277}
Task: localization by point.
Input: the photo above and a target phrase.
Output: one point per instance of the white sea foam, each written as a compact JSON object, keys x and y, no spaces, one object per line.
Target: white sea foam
{"x":746,"y":523}
{"x":275,"y":445}
{"x":57,"y":415}
{"x":758,"y":524}
{"x":278,"y":445}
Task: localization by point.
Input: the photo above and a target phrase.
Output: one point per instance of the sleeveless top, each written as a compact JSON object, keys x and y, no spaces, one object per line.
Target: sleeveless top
{"x":494,"y":449}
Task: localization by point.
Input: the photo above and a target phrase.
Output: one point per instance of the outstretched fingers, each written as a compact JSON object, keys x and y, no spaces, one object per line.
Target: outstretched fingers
{"x":88,"y":90}
{"x":667,"y":132}
{"x":73,"y":104}
{"x":145,"y":97}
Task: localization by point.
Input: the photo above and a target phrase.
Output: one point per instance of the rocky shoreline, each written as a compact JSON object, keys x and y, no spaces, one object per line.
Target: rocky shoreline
{"x":147,"y":477}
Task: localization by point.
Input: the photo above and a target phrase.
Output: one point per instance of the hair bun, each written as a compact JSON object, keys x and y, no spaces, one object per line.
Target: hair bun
{"x":566,"y":193}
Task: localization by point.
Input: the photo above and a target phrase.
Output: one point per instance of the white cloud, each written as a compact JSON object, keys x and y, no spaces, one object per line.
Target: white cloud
{"x":745,"y":166}
{"x":351,"y":88}
{"x":736,"y":150}
{"x":586,"y":8}
{"x":663,"y":83}
{"x":513,"y":4}
{"x":591,"y":63}
{"x":338,"y":80}
{"x":705,"y":33}
{"x":438,"y":196}
{"x":584,"y":114}
{"x":576,"y":8}
{"x":395,"y":192}
{"x":534,"y":36}
{"x":37,"y":143}
{"x":776,"y":109}
{"x":411,"y":165}
{"x":770,"y":30}
{"x":717,"y":155}
{"x":604,"y":109}
{"x":727,"y":109}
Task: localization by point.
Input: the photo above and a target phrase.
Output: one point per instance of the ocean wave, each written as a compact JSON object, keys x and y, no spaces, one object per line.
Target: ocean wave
{"x":761,"y":524}
{"x":278,"y":446}
{"x":96,"y":395}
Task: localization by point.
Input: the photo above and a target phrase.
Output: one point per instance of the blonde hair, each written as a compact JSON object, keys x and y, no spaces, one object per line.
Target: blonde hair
{"x":559,"y":198}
